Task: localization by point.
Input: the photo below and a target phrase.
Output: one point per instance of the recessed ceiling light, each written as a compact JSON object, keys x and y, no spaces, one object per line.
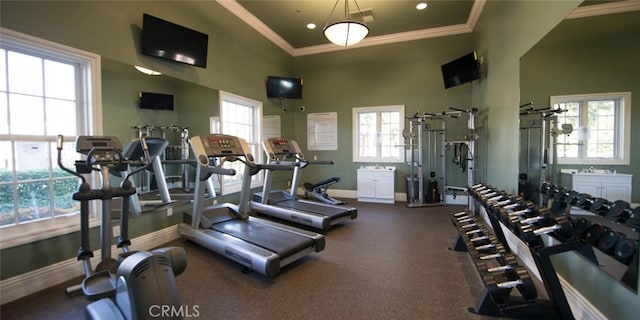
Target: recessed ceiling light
{"x":421,"y":6}
{"x":311,"y":26}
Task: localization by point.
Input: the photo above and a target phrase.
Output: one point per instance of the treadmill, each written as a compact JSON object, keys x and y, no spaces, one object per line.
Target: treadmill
{"x":228,"y":229}
{"x":285,"y":205}
{"x":162,"y":196}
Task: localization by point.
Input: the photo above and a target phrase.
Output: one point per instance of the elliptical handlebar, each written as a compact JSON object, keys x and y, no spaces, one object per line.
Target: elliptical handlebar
{"x":59,"y":143}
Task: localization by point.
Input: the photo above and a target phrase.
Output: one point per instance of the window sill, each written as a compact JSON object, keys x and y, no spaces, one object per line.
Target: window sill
{"x":12,"y":236}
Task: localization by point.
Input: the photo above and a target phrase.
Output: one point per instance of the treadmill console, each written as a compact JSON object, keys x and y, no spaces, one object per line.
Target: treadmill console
{"x":84,"y":144}
{"x":281,"y":147}
{"x":218,"y":146}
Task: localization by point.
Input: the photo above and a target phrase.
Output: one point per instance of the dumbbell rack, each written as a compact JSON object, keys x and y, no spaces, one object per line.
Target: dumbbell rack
{"x":501,"y":207}
{"x":605,"y":216}
{"x":499,"y":270}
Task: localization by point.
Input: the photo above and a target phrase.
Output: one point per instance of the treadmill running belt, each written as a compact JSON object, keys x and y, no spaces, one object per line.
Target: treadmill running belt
{"x":282,"y":242}
{"x":311,"y":208}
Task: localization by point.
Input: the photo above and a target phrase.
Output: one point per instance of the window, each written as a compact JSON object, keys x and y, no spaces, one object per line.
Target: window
{"x":601,"y":125}
{"x":240,"y":117}
{"x":45,"y":90}
{"x":377,"y":134}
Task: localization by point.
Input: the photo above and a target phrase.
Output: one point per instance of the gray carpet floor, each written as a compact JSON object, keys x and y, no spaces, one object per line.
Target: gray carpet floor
{"x":392,"y":262}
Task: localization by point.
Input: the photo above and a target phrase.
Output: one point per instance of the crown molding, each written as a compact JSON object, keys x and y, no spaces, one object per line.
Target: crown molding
{"x":246,"y":16}
{"x":468,"y":27}
{"x":605,"y":8}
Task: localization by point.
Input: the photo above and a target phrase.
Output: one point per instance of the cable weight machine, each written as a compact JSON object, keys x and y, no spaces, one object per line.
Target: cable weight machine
{"x":422,"y":138}
{"x":538,"y":149}
{"x":435,"y":142}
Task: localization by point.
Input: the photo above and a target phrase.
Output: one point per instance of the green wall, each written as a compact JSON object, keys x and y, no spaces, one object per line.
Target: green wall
{"x":406,"y":73}
{"x":240,"y":59}
{"x":505,"y":31}
{"x":575,"y":59}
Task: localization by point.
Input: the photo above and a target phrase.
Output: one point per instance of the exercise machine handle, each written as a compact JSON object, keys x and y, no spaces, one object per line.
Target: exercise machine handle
{"x":223,"y":171}
{"x":59,"y":143}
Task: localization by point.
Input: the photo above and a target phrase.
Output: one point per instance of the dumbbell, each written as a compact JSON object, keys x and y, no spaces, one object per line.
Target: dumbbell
{"x":482,"y":240}
{"x":509,"y":264}
{"x":608,"y":241}
{"x":634,"y":219}
{"x":562,"y":229}
{"x":500,"y":290}
{"x":545,"y":187}
{"x":593,"y":233}
{"x":625,"y":249}
{"x":619,"y":211}
{"x":580,"y":226}
{"x":542,"y":219}
{"x":584,"y":201}
{"x":600,"y":206}
{"x":572,"y":197}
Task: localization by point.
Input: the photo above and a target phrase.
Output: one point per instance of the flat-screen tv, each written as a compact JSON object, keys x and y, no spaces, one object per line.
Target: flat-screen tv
{"x":283,"y":87}
{"x":155,"y":101}
{"x":462,"y":70}
{"x":167,"y":40}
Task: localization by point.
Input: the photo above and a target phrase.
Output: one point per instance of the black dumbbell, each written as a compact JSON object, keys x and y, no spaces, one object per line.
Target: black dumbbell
{"x":619,"y":211}
{"x":593,"y":233}
{"x":634,"y":219}
{"x":608,"y":241}
{"x":562,"y":230}
{"x":572,"y":197}
{"x":600,"y":206}
{"x":625,"y":249}
{"x":500,"y":290}
{"x":580,"y":226}
{"x":545,"y":187}
{"x":542,"y":219}
{"x":584,"y":201}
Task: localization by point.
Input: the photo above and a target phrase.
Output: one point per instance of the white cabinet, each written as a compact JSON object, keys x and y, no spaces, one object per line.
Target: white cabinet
{"x":376,"y":184}
{"x":610,"y":186}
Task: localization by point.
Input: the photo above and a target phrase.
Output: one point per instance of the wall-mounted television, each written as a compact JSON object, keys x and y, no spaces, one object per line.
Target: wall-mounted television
{"x":462,"y":70}
{"x":167,"y":40}
{"x":155,"y":101}
{"x":284,"y":87}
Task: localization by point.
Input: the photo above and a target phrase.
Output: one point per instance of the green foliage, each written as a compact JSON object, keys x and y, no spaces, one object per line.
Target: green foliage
{"x":34,"y":195}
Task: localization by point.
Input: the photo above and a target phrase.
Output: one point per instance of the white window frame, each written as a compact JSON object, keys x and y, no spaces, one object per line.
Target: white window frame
{"x":379,"y":158}
{"x":90,"y":101}
{"x":623,"y":128}
{"x":256,"y":145}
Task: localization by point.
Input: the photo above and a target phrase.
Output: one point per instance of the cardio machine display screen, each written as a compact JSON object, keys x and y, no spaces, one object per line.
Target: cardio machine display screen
{"x":281,"y":146}
{"x":222,"y":145}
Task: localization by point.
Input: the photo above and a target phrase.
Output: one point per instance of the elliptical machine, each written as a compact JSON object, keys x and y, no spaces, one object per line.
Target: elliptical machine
{"x":128,"y":287}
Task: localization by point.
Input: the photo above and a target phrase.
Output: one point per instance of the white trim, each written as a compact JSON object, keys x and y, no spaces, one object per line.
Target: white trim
{"x":624,"y":156}
{"x":49,"y":276}
{"x":248,"y":18}
{"x":91,"y":112}
{"x":256,"y":107}
{"x":468,"y":27}
{"x":605,"y":8}
{"x":355,"y":111}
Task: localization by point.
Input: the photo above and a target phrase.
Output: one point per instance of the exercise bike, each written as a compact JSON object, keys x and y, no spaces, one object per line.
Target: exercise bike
{"x":128,"y":287}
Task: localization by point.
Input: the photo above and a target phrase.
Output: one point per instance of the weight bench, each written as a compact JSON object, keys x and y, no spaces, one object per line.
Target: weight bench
{"x":318,"y":191}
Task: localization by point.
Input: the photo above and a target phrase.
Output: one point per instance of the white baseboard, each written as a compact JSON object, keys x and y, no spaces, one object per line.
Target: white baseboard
{"x":33,"y":281}
{"x":353,"y":194}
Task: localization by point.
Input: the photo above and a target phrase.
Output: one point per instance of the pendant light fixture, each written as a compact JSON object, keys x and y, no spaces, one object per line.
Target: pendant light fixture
{"x":347,"y":32}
